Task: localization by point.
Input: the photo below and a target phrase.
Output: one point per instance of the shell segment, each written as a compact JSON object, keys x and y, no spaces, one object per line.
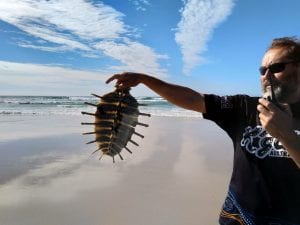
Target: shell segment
{"x":115,"y":120}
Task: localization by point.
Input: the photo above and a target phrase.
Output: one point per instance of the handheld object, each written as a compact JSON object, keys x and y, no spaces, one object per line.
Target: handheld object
{"x":116,"y":117}
{"x":272,"y":97}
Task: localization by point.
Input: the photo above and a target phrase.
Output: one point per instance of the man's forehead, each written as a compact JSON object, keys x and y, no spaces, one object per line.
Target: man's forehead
{"x":274,"y":55}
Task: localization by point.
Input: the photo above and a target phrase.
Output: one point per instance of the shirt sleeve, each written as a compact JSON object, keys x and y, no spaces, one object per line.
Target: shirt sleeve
{"x":225,"y":111}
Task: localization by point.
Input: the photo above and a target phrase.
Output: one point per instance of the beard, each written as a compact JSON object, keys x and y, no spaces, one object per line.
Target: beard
{"x":283,"y":91}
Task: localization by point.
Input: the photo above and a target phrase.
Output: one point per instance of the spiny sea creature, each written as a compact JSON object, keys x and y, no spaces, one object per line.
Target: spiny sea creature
{"x":115,"y":120}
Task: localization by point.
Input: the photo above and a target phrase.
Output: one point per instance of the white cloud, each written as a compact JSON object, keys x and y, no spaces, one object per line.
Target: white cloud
{"x":23,"y":69}
{"x":55,"y":37}
{"x":78,"y":25}
{"x":64,"y":22}
{"x":134,"y":56}
{"x":78,"y":17}
{"x":199,"y":19}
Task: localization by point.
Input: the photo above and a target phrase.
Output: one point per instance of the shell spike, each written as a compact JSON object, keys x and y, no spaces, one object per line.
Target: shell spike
{"x":113,"y":159}
{"x":144,"y":114}
{"x":91,"y":104}
{"x":95,"y":151}
{"x":88,"y":123}
{"x":142,"y":124}
{"x":91,"y":142}
{"x":87,"y":113}
{"x":101,"y":156}
{"x":133,"y":142}
{"x":120,"y":156}
{"x":96,"y":95}
{"x":142,"y":136}
{"x":89,"y":133}
{"x":128,"y":150}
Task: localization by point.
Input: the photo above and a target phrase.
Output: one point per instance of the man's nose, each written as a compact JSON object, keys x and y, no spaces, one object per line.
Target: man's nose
{"x":267,"y":75}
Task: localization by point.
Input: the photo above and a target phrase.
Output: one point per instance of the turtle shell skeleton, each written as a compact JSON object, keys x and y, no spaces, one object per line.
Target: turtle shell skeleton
{"x":116,"y":117}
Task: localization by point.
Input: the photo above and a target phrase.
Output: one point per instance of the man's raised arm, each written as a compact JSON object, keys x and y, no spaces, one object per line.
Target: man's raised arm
{"x":179,"y":95}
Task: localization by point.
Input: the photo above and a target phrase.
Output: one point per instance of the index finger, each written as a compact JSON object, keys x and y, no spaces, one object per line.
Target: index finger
{"x":116,"y":76}
{"x":267,"y":104}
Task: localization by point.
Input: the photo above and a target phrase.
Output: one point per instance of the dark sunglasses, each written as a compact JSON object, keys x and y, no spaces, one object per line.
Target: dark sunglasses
{"x":274,"y":68}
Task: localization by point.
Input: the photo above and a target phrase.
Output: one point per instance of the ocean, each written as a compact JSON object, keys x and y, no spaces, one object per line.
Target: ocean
{"x":74,"y":105}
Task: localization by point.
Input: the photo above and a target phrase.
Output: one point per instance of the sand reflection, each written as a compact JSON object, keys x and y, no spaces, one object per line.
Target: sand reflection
{"x":58,"y":181}
{"x":171,"y":178}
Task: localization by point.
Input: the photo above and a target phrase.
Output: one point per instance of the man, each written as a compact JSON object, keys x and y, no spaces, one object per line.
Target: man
{"x":265,"y":183}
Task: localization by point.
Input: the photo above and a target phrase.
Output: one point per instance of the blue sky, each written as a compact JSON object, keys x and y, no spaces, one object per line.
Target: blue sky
{"x":70,"y":47}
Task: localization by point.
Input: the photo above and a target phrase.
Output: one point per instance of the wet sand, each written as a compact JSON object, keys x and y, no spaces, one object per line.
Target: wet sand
{"x":178,"y":175}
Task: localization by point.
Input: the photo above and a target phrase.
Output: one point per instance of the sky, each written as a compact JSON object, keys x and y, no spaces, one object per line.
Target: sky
{"x":70,"y":47}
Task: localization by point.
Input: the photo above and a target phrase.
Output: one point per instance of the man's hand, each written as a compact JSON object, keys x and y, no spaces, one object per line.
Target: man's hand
{"x":278,"y":123}
{"x":126,"y":80}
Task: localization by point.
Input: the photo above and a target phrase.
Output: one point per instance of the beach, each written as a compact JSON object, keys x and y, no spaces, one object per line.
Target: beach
{"x":177,"y":175}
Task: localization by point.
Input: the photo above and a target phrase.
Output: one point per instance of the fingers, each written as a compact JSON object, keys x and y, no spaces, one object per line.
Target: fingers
{"x":273,"y":119}
{"x":271,"y":107}
{"x":263,"y":110}
{"x":267,"y":104}
{"x":116,"y":76}
{"x":120,"y":80}
{"x":268,"y":112}
{"x":124,"y":80}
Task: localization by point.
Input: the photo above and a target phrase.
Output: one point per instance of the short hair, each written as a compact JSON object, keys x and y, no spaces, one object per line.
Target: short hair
{"x":290,"y":44}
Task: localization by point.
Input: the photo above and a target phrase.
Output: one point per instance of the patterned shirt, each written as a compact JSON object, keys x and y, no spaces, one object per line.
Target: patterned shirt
{"x":265,"y":181}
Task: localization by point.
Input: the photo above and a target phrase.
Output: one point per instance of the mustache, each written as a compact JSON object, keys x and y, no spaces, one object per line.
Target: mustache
{"x":267,"y":84}
{"x":275,"y":83}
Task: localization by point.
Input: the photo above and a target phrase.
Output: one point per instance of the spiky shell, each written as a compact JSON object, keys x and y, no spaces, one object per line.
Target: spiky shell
{"x":115,"y":120}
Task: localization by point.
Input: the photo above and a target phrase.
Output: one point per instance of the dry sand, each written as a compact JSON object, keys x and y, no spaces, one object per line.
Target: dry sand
{"x":178,"y":175}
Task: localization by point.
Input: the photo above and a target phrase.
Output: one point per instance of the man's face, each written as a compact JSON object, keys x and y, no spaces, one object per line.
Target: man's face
{"x":286,"y":84}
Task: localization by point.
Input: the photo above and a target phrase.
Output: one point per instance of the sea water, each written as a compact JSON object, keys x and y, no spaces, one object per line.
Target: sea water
{"x":74,"y":105}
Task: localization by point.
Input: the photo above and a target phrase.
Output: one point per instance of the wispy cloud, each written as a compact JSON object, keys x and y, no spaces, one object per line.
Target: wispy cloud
{"x":77,"y":25}
{"x":134,"y":56}
{"x":198,"y":20}
{"x":45,"y":48}
{"x":140,"y":5}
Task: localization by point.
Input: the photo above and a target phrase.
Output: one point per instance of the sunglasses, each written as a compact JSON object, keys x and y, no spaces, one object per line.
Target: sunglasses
{"x":274,"y":68}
